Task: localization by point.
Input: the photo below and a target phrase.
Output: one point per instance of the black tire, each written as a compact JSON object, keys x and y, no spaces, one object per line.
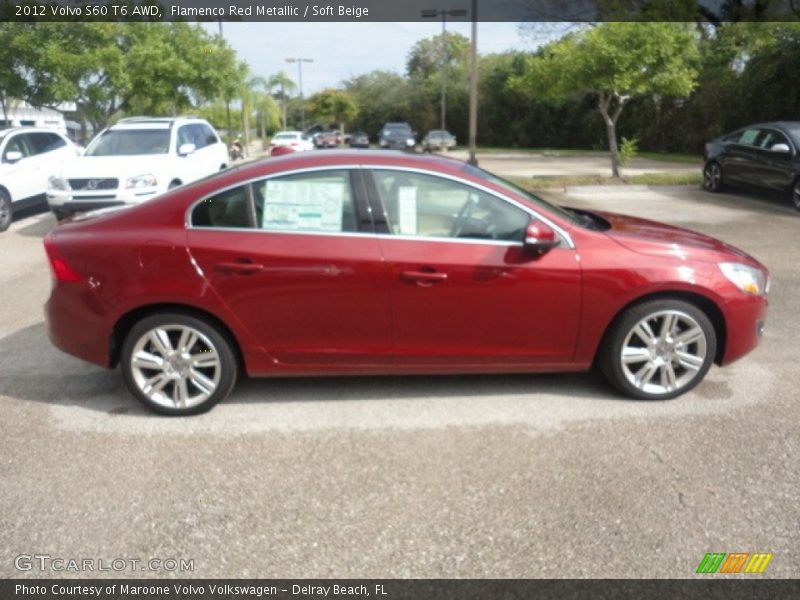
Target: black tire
{"x":796,"y":194}
{"x":211,"y":346}
{"x":6,"y":212}
{"x":60,"y":214}
{"x":688,"y":362}
{"x":713,"y":180}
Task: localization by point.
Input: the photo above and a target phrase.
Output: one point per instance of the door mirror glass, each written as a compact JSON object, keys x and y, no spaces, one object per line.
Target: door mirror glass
{"x":13,"y":156}
{"x":540,"y":238}
{"x":782,"y":148}
{"x":186,"y":149}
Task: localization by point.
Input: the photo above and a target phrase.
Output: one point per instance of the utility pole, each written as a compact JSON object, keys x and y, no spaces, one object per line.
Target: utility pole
{"x":473,"y":86}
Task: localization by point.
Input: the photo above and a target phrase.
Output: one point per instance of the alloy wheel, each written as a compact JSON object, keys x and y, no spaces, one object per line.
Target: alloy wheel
{"x":712,"y":177}
{"x":175,"y":366}
{"x":664,"y":352}
{"x":796,"y":195}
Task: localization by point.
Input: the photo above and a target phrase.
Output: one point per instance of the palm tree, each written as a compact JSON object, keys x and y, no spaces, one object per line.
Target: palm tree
{"x":284,"y":82}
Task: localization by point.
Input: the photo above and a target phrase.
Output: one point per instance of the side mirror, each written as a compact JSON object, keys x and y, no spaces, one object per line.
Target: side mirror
{"x":782,"y":148}
{"x":12,"y":156}
{"x":186,"y":149}
{"x":540,"y":238}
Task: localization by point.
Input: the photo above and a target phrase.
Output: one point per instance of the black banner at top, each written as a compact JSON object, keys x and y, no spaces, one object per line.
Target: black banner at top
{"x":713,"y":11}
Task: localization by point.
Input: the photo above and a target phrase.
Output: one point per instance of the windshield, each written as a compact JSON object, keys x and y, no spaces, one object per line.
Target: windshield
{"x":286,"y":136}
{"x":127,"y":142}
{"x":565,"y":214}
{"x":794,"y":131}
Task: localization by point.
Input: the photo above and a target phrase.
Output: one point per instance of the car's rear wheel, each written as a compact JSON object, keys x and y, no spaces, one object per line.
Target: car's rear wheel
{"x":658,"y":350}
{"x":712,"y":177}
{"x":796,"y":194}
{"x":5,"y":211}
{"x":178,"y":364}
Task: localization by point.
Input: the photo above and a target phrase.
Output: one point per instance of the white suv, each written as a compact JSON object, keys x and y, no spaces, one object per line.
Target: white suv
{"x":28,"y":156}
{"x":135,"y":160}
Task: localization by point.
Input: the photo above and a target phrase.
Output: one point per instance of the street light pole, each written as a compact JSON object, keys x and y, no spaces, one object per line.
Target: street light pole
{"x":300,"y":62}
{"x":432,"y":13}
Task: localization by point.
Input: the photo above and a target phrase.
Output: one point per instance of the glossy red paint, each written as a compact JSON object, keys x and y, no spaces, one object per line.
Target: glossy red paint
{"x":370,"y":302}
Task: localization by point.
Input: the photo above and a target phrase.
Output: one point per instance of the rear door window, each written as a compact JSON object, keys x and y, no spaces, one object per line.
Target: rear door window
{"x":306,"y":202}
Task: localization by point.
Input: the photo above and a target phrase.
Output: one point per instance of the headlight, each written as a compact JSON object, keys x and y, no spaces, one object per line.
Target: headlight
{"x":748,"y":279}
{"x":410,"y":142}
{"x":141,"y":181}
{"x":57,"y":183}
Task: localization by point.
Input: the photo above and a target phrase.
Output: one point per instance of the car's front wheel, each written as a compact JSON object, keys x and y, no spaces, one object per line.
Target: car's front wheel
{"x":712,"y":176}
{"x":5,"y":211}
{"x":796,"y":194}
{"x":178,"y":364}
{"x":658,"y":350}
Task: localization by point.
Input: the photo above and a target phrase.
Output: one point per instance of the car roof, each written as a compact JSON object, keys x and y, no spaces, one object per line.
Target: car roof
{"x":33,"y":128}
{"x":154,"y":122}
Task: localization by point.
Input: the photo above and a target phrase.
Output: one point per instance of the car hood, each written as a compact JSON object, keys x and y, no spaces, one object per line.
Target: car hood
{"x":658,"y":239}
{"x":114,"y":166}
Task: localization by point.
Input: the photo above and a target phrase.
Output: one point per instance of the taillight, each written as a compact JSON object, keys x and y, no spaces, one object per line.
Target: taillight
{"x":59,"y":266}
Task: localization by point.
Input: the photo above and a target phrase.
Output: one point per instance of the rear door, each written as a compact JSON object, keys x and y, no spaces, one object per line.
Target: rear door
{"x":464,"y":291}
{"x":296,"y":260}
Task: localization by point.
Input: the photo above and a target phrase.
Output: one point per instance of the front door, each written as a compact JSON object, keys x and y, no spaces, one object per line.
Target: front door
{"x":464,"y":290}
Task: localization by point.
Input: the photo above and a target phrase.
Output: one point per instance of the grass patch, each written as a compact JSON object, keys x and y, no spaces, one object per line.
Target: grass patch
{"x":559,"y":181}
{"x":693,"y":159}
{"x":667,"y":179}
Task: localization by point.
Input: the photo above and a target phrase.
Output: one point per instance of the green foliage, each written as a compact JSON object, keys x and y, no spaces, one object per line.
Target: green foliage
{"x":427,"y":56}
{"x":615,"y":62}
{"x":380,"y":96}
{"x":113,"y":68}
{"x":628,"y":149}
{"x":332,"y":107}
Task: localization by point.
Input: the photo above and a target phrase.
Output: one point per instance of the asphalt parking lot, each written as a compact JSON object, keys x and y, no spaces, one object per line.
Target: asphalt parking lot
{"x":485,"y":476}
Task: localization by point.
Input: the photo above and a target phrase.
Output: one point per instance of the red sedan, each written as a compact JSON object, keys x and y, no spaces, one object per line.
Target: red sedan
{"x":363,"y":262}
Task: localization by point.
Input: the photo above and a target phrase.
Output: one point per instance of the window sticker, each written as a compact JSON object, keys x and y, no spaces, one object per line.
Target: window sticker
{"x":407,"y":209}
{"x":303,"y":205}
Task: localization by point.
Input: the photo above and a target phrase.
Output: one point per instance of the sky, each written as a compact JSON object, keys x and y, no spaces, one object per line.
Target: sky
{"x":343,"y":50}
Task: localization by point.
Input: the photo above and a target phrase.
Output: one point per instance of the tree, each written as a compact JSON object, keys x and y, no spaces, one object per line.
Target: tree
{"x":285,"y":86}
{"x":333,"y":106}
{"x":615,"y":62}
{"x":380,"y":96}
{"x":426,"y":56}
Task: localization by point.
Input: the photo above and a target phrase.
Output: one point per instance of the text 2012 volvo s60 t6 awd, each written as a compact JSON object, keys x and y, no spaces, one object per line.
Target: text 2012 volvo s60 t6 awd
{"x":368,"y":262}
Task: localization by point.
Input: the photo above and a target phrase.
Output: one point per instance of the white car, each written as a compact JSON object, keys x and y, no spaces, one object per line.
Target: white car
{"x":28,"y":157}
{"x":296,"y":140}
{"x":135,"y":160}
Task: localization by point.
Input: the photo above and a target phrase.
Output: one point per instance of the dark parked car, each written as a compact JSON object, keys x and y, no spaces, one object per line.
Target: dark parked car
{"x":397,"y":136}
{"x":765,"y":155}
{"x":358,"y":262}
{"x":326,"y":139}
{"x":359,"y":139}
{"x":438,"y":139}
